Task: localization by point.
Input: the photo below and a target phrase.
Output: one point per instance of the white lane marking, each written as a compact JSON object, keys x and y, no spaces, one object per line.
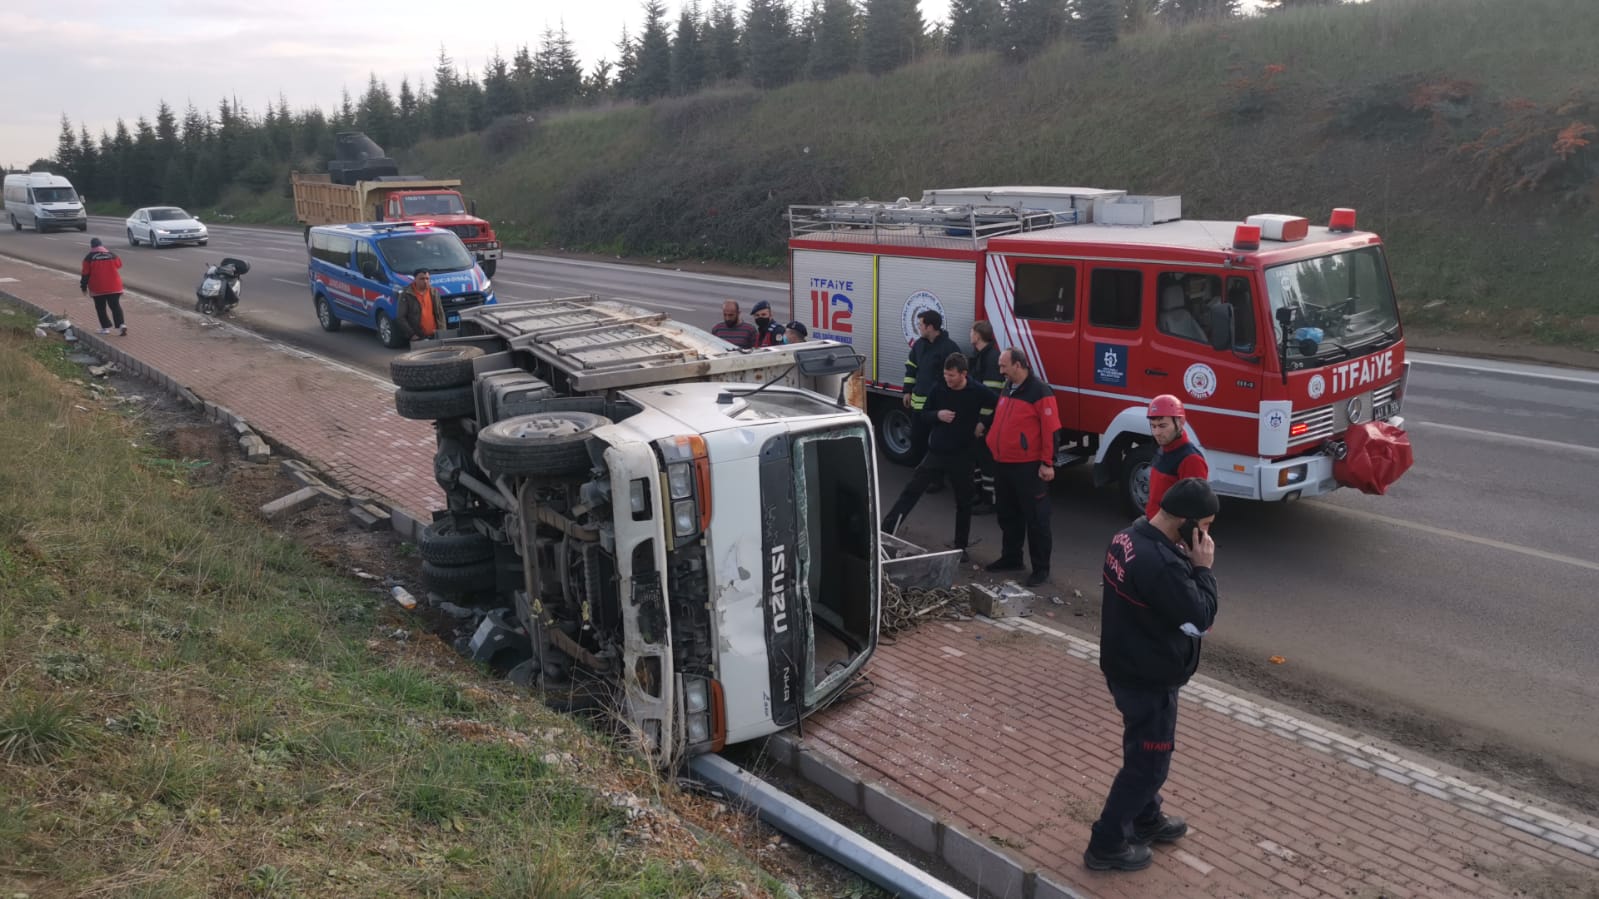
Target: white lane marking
{"x":1507,"y":438}
{"x":1521,"y":370}
{"x":1458,"y":535}
{"x":304,"y":284}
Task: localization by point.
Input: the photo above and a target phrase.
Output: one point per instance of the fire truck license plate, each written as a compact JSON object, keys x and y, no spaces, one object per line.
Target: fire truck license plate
{"x":1385,"y":411}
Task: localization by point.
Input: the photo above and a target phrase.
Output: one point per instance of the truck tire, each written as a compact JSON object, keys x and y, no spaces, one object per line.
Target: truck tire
{"x":894,"y":433}
{"x":488,"y":267}
{"x":470,"y":578}
{"x":1133,"y":485}
{"x":453,"y":541}
{"x":432,"y":405}
{"x":548,"y":444}
{"x":389,"y":334}
{"x":324,"y":314}
{"x":434,"y":367}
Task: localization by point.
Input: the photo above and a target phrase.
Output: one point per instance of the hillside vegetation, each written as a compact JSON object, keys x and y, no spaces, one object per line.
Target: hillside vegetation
{"x":1459,"y":129}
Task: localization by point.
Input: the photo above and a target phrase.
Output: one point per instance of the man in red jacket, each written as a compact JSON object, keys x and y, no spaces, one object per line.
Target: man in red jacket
{"x":1178,"y":458}
{"x":1022,"y":441}
{"x":102,"y":281}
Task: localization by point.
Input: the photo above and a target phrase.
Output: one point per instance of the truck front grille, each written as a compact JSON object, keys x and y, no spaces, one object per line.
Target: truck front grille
{"x":1311,"y":425}
{"x":465,"y":232}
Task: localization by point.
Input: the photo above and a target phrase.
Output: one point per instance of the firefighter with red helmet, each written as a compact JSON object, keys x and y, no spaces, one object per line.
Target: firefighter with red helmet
{"x":1177,"y":458}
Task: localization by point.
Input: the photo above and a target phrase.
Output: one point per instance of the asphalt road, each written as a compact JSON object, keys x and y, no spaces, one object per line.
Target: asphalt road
{"x":1452,"y":613}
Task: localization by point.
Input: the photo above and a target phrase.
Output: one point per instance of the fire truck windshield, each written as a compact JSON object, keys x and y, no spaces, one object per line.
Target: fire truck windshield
{"x":1340,"y":305}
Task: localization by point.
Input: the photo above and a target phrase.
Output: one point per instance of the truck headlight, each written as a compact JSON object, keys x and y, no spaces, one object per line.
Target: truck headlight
{"x":696,"y":698}
{"x":699,"y":727}
{"x":680,"y":479}
{"x":685,"y":518}
{"x":1292,"y":475}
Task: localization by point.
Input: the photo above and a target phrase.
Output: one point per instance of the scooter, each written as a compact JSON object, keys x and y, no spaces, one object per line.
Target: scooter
{"x":219,"y":290}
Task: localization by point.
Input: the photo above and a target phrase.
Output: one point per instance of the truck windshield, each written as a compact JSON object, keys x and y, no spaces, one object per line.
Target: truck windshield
{"x":436,"y":251}
{"x":434,"y":204}
{"x":835,"y":543}
{"x":1341,"y":304}
{"x":54,"y":195}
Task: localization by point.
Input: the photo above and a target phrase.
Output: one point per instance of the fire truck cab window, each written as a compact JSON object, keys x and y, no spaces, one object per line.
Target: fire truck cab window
{"x":1046,"y":292}
{"x":1184,"y":301}
{"x":1115,"y":298}
{"x":1242,"y":300}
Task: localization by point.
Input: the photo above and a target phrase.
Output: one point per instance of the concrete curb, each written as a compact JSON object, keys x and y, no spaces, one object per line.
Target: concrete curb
{"x":404,"y":523}
{"x":998,"y":873}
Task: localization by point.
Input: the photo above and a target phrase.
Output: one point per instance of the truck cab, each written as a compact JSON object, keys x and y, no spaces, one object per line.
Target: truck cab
{"x":687,"y":527}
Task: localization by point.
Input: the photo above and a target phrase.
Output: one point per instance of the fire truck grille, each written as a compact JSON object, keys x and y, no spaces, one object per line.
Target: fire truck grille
{"x":1311,"y":425}
{"x":465,"y":232}
{"x":1383,"y":394}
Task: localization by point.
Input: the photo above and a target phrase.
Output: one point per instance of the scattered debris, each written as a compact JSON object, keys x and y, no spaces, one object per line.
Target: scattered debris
{"x":1008,"y":600}
{"x":403,"y":597}
{"x":104,"y":371}
{"x":454,"y":611}
{"x":299,"y":498}
{"x":1276,"y":660}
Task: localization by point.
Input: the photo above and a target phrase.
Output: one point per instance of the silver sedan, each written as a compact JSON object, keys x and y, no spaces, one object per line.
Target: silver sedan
{"x":161,"y":226}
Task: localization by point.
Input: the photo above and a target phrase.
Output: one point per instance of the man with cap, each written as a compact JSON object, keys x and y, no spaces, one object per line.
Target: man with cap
{"x":1177,"y":457}
{"x":1159,"y":598}
{"x":101,"y":280}
{"x":796,"y":332}
{"x":767,"y":331}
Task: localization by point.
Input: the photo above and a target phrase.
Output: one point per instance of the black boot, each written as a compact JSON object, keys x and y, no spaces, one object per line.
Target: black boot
{"x":1165,"y":829}
{"x":1131,"y":857}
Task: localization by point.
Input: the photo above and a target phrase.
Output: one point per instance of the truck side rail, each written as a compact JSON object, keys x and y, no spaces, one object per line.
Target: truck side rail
{"x":918,"y":224}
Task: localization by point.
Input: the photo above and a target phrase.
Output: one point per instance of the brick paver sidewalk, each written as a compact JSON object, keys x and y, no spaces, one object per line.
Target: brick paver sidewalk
{"x":1005,"y":729}
{"x":337,"y":417}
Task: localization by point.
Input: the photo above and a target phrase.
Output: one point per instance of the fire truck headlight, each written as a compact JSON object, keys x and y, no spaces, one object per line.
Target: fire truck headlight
{"x":1292,"y":475}
{"x":685,"y":518}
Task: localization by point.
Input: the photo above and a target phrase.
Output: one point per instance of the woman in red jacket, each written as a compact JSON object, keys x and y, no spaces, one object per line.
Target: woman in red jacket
{"x":102,"y":281}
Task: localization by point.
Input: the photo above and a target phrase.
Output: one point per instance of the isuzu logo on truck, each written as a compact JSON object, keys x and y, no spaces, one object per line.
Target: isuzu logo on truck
{"x":777,"y":588}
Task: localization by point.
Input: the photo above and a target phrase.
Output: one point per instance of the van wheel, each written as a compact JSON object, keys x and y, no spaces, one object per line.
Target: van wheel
{"x":434,"y":367}
{"x":1137,"y":463}
{"x":83,"y":227}
{"x":15,"y":225}
{"x":325,"y":316}
{"x":433,"y":405}
{"x":547,"y":445}
{"x":390,"y":335}
{"x":894,"y":433}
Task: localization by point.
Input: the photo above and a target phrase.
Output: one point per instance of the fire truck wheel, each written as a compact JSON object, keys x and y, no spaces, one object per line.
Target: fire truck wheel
{"x":1136,"y":465}
{"x":894,"y":433}
{"x":546,"y":445}
{"x":432,"y":405}
{"x":434,"y":367}
{"x":469,"y":578}
{"x":453,"y":541}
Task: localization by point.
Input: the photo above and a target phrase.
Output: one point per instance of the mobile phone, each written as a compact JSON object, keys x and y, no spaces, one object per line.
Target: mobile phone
{"x":1186,"y":530}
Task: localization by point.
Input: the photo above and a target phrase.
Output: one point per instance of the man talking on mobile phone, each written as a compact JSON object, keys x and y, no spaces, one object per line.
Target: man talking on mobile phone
{"x":1159,"y":600}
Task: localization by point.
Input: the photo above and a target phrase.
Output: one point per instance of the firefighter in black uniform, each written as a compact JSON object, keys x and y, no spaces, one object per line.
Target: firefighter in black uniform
{"x":924,"y":371}
{"x":985,"y":368}
{"x":957,"y":412}
{"x":1159,"y":599}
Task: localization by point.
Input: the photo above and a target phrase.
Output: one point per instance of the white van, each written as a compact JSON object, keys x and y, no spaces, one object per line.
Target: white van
{"x":43,"y":202}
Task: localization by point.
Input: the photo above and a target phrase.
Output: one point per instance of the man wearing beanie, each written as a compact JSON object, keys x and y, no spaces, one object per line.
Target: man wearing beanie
{"x":1159,"y":599}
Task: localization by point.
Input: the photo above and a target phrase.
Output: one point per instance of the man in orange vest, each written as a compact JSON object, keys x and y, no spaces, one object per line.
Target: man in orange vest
{"x":421,"y":310}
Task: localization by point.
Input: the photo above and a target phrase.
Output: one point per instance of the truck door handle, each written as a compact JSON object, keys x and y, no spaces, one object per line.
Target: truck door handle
{"x":1155,"y":372}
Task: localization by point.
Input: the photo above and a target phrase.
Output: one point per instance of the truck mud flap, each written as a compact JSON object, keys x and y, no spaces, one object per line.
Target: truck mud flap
{"x":906,"y":565}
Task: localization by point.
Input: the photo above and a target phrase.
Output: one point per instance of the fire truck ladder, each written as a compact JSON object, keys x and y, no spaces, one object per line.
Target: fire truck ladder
{"x":903,"y":221}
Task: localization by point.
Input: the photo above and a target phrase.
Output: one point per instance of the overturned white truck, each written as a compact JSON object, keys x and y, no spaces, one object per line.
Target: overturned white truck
{"x":639,"y":504}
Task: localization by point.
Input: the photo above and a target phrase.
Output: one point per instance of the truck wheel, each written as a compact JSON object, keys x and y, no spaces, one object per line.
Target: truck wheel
{"x":453,"y":541}
{"x":488,"y":267}
{"x":390,"y":335}
{"x":549,"y":444}
{"x":894,"y":434}
{"x":324,"y":314}
{"x":469,"y":578}
{"x":432,"y":405}
{"x":434,"y":367}
{"x":1137,"y":463}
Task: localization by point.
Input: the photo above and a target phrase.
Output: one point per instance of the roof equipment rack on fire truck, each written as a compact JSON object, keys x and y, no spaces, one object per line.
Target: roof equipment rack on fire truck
{"x":920,"y":224}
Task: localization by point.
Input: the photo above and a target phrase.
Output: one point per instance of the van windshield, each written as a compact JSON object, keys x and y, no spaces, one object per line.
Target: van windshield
{"x":1339,"y":305}
{"x":54,"y":195}
{"x":436,"y":251}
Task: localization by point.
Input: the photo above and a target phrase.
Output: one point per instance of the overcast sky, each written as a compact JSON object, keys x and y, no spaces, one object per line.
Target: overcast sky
{"x":101,"y":61}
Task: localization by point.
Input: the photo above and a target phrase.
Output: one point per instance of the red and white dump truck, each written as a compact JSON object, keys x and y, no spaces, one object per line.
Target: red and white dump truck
{"x":1281,"y":337}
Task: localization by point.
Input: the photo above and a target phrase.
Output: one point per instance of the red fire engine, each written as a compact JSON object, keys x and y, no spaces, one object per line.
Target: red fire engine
{"x":1277,"y":335}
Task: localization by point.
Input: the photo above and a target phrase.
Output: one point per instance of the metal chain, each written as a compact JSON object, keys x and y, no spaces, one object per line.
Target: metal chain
{"x":904,"y":609}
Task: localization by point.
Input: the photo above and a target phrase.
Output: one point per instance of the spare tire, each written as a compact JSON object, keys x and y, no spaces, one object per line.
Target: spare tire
{"x":432,"y":405}
{"x":470,"y":578}
{"x":546,"y":444}
{"x":434,"y":367}
{"x":453,"y":541}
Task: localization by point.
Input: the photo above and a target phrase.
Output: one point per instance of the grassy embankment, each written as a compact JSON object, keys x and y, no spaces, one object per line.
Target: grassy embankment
{"x":191,"y":705}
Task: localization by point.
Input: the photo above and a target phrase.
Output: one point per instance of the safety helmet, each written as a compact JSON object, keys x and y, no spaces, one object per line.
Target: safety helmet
{"x":1164,"y":405}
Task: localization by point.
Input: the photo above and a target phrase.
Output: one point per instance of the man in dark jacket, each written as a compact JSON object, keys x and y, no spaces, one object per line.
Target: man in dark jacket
{"x":102,"y":281}
{"x":1022,"y":441}
{"x":985,"y":368}
{"x":956,"y":411}
{"x":924,"y":371}
{"x":1159,"y":599}
{"x":768,"y":332}
{"x":421,"y":310}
